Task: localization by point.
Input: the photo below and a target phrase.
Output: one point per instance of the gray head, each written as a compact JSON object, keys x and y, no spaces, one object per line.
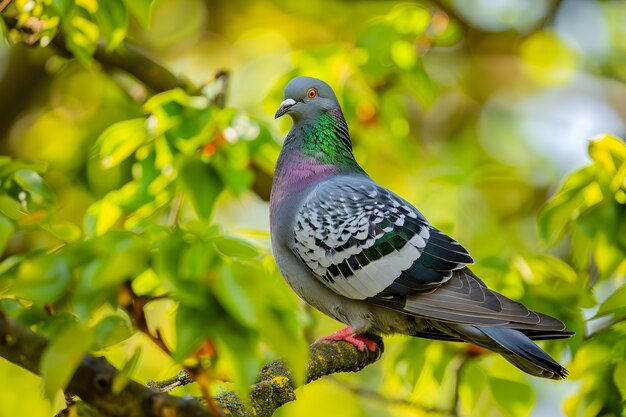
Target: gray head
{"x":307,"y":98}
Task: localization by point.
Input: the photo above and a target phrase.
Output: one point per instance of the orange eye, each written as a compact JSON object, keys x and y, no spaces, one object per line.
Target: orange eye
{"x":311,"y":93}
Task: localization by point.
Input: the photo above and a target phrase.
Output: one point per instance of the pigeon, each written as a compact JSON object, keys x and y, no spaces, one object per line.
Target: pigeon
{"x":366,"y":257}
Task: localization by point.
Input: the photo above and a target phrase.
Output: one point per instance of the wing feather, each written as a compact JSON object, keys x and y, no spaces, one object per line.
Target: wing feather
{"x":364,"y":242}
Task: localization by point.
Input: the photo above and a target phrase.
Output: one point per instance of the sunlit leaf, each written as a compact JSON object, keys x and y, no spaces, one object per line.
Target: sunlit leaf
{"x":101,"y":216}
{"x":65,"y":231}
{"x":10,"y":263}
{"x":81,"y":34}
{"x":203,"y":185}
{"x":63,"y":6}
{"x":9,"y":166}
{"x":90,"y":5}
{"x":42,"y":279}
{"x":607,"y":254}
{"x":119,"y":141}
{"x":564,"y":206}
{"x":609,"y":152}
{"x":140,"y":9}
{"x":235,"y":247}
{"x":615,"y":303}
{"x":11,"y":208}
{"x":515,"y":399}
{"x":112,"y":19}
{"x":111,"y":330}
{"x":32,"y":183}
{"x":619,"y":377}
{"x":128,"y":370}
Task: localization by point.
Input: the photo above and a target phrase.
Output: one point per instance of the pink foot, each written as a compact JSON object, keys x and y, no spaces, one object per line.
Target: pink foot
{"x":347,"y":335}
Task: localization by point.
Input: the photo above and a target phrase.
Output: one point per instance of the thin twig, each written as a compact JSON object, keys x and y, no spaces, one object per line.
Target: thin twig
{"x":182,"y":378}
{"x":4,"y":4}
{"x":134,"y":306}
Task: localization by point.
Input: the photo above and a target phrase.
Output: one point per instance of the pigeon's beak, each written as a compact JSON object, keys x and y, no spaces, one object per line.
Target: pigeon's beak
{"x":284,"y":107}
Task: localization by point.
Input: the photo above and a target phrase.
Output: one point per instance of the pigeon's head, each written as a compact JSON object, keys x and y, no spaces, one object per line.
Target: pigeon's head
{"x":307,"y":98}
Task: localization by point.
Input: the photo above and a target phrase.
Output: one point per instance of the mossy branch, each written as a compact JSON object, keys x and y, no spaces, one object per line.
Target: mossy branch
{"x":93,"y":379}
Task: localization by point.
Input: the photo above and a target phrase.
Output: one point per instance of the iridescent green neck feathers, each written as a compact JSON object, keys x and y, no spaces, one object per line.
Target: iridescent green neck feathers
{"x":327,"y":140}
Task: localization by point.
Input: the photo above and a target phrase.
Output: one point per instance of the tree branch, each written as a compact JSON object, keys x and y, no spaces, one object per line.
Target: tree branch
{"x":93,"y":380}
{"x":4,"y":4}
{"x":275,"y":385}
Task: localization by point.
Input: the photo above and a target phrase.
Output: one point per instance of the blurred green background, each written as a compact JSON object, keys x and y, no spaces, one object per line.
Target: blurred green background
{"x":479,"y":112}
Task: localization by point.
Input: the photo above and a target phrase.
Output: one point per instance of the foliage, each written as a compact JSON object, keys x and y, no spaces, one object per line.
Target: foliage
{"x":133,"y":222}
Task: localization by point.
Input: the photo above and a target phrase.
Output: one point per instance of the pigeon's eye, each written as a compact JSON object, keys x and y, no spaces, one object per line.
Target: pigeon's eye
{"x":311,"y":93}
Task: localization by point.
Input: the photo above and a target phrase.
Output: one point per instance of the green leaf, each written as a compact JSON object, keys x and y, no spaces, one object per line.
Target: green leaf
{"x":472,"y":389}
{"x":167,"y":263}
{"x":126,"y":373}
{"x":43,"y":279}
{"x":6,"y":231}
{"x":190,"y":331}
{"x":111,"y":330}
{"x":614,"y":304}
{"x":61,"y":358}
{"x":619,"y":377}
{"x":235,"y":247}
{"x":564,"y":206}
{"x":81,"y":35}
{"x":243,"y":348}
{"x":11,"y":208}
{"x":33,"y":184}
{"x":607,"y":253}
{"x":141,"y":10}
{"x":9,"y":166}
{"x":202,"y":185}
{"x":9,"y":263}
{"x":230,"y":289}
{"x":112,"y":19}
{"x":63,"y":7}
{"x":101,"y":216}
{"x":128,"y":257}
{"x":513,"y":398}
{"x":232,"y":164}
{"x":177,"y":96}
{"x":65,"y":231}
{"x":282,"y":331}
{"x":609,"y":152}
{"x":119,"y":141}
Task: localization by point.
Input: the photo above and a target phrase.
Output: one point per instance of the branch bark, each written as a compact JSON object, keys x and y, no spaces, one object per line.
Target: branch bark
{"x":93,"y":380}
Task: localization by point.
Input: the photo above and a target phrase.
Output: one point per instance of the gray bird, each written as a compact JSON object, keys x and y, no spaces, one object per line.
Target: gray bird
{"x":363,"y":255}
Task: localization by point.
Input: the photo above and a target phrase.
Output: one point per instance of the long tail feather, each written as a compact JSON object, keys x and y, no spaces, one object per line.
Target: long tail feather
{"x":515,"y":347}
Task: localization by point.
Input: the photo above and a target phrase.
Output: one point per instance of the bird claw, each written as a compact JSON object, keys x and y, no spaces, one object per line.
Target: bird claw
{"x":348,"y":335}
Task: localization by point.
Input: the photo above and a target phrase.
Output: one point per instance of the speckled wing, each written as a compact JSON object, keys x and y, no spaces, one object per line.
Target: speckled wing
{"x":366,"y":243}
{"x":363,"y":242}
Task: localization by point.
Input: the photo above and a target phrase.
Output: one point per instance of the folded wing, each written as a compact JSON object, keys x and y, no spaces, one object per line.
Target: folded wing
{"x":364,"y":242}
